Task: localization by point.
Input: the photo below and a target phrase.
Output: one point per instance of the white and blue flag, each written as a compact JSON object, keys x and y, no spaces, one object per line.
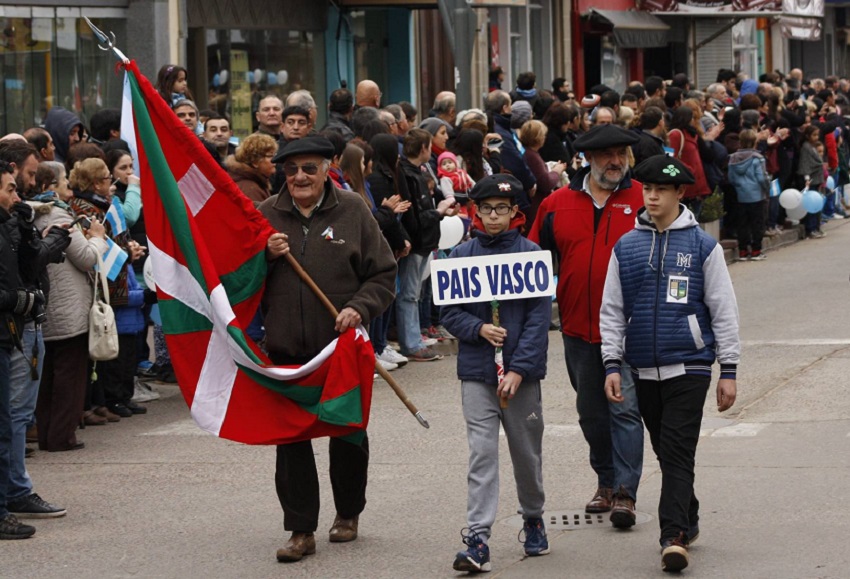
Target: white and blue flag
{"x":113,"y":260}
{"x":115,"y":217}
{"x":774,"y":188}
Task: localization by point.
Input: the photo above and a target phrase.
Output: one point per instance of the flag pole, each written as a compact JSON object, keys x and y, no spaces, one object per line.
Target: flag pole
{"x":106,"y":42}
{"x":305,"y":277}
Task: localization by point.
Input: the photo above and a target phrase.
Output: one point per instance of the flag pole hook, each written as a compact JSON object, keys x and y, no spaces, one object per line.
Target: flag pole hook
{"x":106,"y":42}
{"x":305,"y":277}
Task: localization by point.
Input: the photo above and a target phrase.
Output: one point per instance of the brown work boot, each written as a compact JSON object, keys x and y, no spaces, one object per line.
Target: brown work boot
{"x":297,"y":547}
{"x":343,"y":530}
{"x":104,"y":411}
{"x":623,"y":511}
{"x":601,"y":501}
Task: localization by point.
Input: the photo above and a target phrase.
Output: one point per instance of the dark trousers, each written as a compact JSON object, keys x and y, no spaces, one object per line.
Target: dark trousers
{"x":5,"y":425}
{"x":62,"y":392}
{"x":116,"y":375}
{"x":297,"y":481}
{"x":751,"y":225}
{"x":672,"y":412}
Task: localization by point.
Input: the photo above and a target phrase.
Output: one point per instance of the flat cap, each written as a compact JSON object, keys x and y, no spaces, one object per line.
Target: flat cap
{"x":316,"y":145}
{"x":663,"y":170}
{"x":604,"y":137}
{"x":498,"y":185}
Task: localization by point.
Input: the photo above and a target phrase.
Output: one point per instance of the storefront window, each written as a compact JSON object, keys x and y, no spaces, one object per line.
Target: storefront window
{"x":745,"y":47}
{"x":243,"y":66}
{"x":50,"y":62}
{"x":614,"y":65}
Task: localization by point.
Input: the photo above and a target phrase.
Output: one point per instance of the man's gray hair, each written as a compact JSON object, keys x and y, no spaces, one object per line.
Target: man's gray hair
{"x":714,"y":88}
{"x":444,"y":102}
{"x":396,"y":111}
{"x":301,"y":98}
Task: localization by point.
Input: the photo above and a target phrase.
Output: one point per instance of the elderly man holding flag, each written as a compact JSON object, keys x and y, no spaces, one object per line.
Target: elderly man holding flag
{"x":333,"y":236}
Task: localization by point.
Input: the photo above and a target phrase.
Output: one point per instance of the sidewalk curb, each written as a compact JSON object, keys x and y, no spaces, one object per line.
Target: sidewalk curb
{"x":788,"y":236}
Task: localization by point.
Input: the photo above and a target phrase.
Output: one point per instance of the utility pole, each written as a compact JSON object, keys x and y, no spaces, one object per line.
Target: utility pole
{"x":460,"y":23}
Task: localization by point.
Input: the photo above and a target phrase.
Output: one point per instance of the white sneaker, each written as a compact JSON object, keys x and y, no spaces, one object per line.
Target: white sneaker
{"x":391,"y":355}
{"x":388,"y":366}
{"x":426,"y":342}
{"x":143,"y":393}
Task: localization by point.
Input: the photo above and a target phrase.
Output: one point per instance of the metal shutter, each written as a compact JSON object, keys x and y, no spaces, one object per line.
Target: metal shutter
{"x":716,"y":54}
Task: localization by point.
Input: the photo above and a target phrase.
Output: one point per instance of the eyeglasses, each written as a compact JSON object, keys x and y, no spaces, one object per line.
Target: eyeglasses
{"x":291,"y":169}
{"x":499,"y":209}
{"x":107,"y":178}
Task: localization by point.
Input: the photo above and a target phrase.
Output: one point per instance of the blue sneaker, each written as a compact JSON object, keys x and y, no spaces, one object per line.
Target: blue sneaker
{"x":535,"y":542}
{"x":476,"y":559}
{"x":693,"y":534}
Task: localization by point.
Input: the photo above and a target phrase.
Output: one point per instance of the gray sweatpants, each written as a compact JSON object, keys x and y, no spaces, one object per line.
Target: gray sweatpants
{"x":523,"y":424}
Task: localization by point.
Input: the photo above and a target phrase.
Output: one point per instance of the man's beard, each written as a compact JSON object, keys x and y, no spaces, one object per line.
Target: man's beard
{"x":599,"y":175}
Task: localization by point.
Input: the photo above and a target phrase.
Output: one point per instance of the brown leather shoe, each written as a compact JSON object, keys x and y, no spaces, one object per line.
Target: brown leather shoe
{"x":623,"y":511}
{"x":92,"y":419}
{"x":601,"y":501}
{"x":104,"y":411}
{"x":343,"y":530}
{"x":297,"y":547}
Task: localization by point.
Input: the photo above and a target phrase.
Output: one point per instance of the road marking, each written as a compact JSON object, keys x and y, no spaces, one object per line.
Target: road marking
{"x":180,"y":428}
{"x":742,"y":429}
{"x":800,"y":342}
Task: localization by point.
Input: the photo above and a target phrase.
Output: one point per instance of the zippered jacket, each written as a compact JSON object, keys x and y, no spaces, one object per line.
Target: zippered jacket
{"x":565,"y":226}
{"x":669,"y":307}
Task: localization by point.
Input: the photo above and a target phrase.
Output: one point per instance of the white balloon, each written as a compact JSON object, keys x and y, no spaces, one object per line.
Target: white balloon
{"x":147,"y":270}
{"x":451,"y":232}
{"x":789,"y":199}
{"x":847,"y":194}
{"x":282,"y":77}
{"x":258,"y":75}
{"x":796,"y":213}
{"x":223,"y":76}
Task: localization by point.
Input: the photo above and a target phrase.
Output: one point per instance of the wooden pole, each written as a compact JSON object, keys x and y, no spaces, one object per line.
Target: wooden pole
{"x":305,"y":277}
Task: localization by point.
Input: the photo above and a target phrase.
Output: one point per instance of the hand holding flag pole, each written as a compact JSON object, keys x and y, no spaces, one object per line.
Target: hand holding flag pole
{"x":305,"y":277}
{"x":500,"y":361}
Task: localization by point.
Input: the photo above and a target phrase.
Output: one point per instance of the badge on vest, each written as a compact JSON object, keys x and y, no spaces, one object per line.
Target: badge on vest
{"x":677,"y":289}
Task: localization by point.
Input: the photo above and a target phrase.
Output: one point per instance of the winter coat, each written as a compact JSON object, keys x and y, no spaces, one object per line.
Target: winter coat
{"x":748,"y":174}
{"x":512,"y":161}
{"x":422,"y":220}
{"x":565,"y":226}
{"x":129,"y":318}
{"x":342,"y":249}
{"x":337,"y":122}
{"x":688,"y":153}
{"x":810,"y":165}
{"x":526,"y":320}
{"x":648,"y":146}
{"x":382,"y":186}
{"x":10,"y":282}
{"x":248,"y":179}
{"x":669,"y":307}
{"x":70,"y":281}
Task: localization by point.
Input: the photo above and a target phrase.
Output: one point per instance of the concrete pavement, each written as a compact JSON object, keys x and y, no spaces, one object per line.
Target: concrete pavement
{"x":153,"y":496}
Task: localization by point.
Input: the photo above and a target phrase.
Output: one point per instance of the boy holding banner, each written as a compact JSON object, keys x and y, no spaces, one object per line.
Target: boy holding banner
{"x":523,"y":338}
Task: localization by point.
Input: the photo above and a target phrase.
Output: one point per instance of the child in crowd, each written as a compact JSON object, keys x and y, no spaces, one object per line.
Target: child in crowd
{"x":523,"y":337}
{"x":669,"y":274}
{"x":172,"y":84}
{"x":454,"y":181}
{"x":810,"y":174}
{"x":748,"y":174}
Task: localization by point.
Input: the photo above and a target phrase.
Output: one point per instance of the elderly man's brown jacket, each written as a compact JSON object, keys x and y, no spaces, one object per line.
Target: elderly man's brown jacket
{"x":344,"y":252}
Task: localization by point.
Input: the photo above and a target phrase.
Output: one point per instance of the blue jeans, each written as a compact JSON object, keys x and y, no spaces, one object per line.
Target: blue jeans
{"x":23,"y":395}
{"x":410,"y":270}
{"x":378,"y":330}
{"x":5,"y":427}
{"x":613,"y":431}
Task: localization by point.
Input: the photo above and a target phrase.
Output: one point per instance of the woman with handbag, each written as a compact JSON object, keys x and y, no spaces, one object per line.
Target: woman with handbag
{"x":62,"y":391}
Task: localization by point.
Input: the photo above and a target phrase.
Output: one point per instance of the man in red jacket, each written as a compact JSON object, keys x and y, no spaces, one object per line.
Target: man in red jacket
{"x":581,"y":224}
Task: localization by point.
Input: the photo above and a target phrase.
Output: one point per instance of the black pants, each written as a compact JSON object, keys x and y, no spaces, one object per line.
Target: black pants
{"x":751,"y":225}
{"x":297,"y":481}
{"x":672,"y":413}
{"x":116,"y":376}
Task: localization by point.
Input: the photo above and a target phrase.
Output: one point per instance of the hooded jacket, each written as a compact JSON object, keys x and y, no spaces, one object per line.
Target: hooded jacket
{"x":58,"y":123}
{"x":668,"y":307}
{"x":565,"y":226}
{"x":512,"y":160}
{"x":748,"y":174}
{"x":526,"y":320}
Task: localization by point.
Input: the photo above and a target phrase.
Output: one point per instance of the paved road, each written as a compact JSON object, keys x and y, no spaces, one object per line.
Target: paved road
{"x":155,"y":497}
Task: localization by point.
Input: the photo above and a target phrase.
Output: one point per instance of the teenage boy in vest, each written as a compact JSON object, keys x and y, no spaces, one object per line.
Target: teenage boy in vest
{"x":669,"y":310}
{"x":523,"y":335}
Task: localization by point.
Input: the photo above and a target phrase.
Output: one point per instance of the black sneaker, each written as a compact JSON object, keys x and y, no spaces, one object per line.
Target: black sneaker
{"x":11,"y":528}
{"x":135,"y":408}
{"x":34,"y":507}
{"x":674,"y":553}
{"x":119,"y":409}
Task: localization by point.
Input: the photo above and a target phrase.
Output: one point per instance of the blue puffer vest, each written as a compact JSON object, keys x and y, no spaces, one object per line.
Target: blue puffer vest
{"x":654,"y":266}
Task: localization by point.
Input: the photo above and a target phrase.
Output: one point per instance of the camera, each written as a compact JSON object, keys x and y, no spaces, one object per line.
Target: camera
{"x":39,"y":315}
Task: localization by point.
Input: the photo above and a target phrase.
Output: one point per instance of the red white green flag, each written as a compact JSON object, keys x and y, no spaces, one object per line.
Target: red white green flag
{"x":207,"y":245}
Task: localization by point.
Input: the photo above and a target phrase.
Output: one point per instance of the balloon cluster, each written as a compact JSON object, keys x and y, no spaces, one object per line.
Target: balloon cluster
{"x":798,"y":204}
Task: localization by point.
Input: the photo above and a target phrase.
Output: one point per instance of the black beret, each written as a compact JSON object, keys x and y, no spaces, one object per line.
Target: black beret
{"x":499,"y":185}
{"x":604,"y":137}
{"x":663,"y":170}
{"x":316,"y":145}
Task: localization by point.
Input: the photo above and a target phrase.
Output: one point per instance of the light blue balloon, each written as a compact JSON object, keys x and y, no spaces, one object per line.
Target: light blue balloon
{"x":271,"y":79}
{"x":830,"y":183}
{"x":216,"y":80}
{"x":812,"y":201}
{"x":250,"y":77}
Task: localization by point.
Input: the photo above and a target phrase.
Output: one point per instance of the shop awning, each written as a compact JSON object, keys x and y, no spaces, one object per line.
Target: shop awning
{"x":633,"y":29}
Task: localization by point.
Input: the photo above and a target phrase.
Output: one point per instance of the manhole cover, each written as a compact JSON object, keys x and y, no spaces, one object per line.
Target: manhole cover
{"x":575,"y":520}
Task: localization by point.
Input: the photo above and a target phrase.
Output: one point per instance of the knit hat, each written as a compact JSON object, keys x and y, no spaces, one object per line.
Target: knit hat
{"x":520,"y":112}
{"x":433,"y":124}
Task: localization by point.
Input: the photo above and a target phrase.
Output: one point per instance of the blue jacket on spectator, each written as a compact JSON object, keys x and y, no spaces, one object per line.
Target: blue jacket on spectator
{"x":526,"y":320}
{"x":129,"y":319}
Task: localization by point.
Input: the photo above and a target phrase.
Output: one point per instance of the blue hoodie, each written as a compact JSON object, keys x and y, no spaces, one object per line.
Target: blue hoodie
{"x":748,"y":174}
